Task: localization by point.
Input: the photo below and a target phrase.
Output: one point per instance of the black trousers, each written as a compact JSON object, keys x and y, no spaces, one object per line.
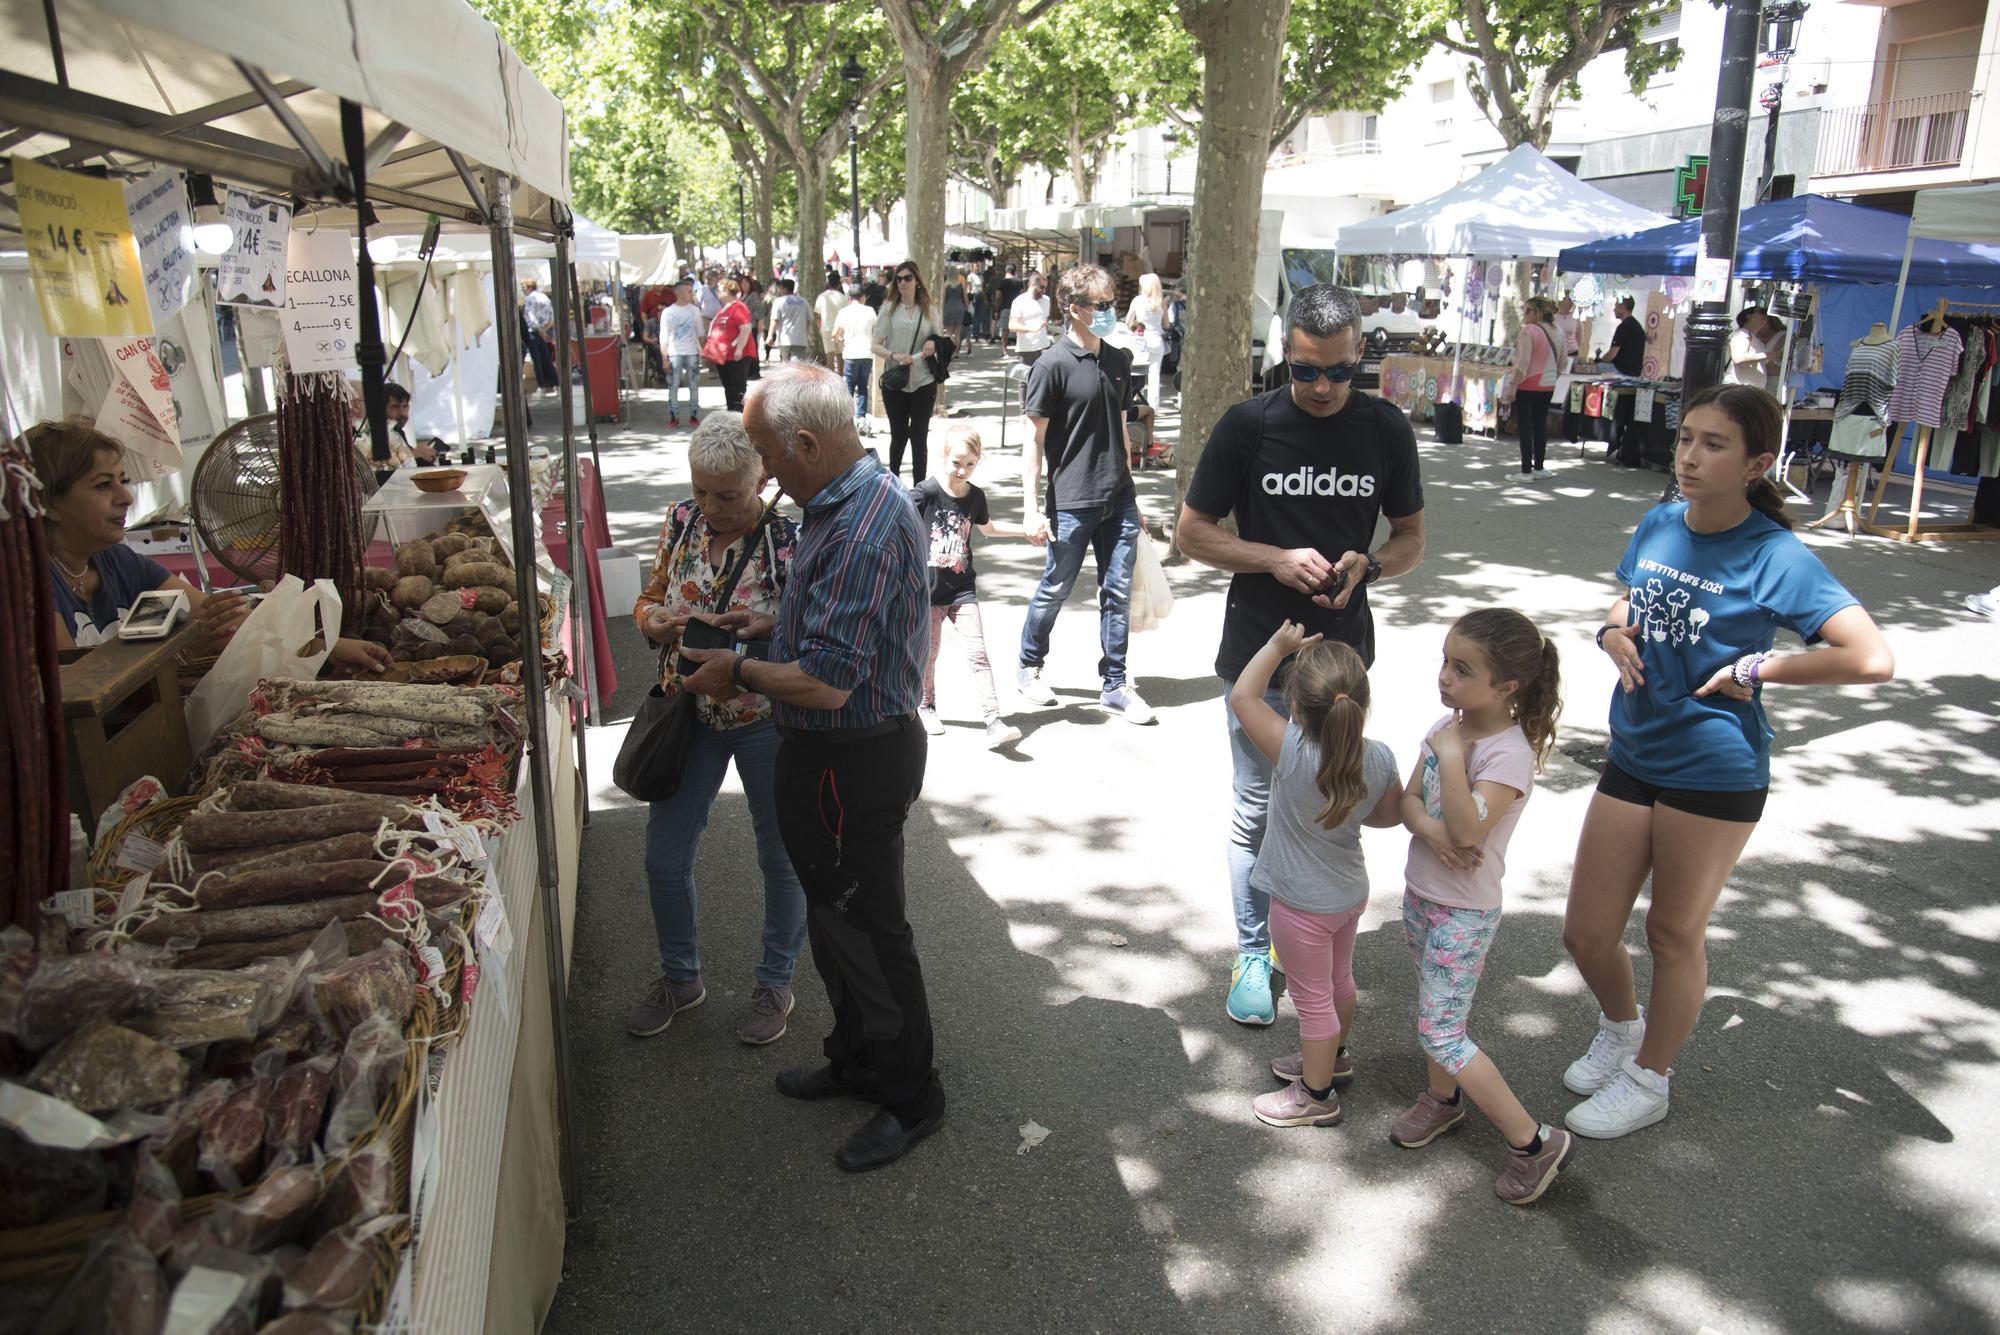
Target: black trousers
{"x":1531,"y":415}
{"x":735,"y":377}
{"x":910,"y":425}
{"x":841,"y":807}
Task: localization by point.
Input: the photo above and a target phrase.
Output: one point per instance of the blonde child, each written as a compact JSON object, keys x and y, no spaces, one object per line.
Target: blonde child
{"x":951,"y":507}
{"x":1327,"y":781}
{"x":1502,"y":683}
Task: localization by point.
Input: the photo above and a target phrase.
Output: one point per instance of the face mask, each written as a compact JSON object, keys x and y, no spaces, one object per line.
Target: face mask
{"x":1103,"y":322}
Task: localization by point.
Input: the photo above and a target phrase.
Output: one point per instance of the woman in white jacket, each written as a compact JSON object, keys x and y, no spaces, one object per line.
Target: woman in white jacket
{"x":1147,"y":317}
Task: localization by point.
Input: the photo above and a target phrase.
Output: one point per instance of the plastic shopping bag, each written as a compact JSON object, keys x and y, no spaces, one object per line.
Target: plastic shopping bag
{"x":276,"y":640}
{"x":1152,"y":596}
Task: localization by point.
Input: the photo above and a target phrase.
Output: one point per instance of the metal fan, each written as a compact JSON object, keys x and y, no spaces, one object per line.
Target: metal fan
{"x":233,"y":499}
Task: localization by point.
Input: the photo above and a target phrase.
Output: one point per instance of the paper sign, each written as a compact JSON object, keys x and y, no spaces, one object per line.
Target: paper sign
{"x":79,"y":907}
{"x":138,"y":409}
{"x":259,"y":331}
{"x":134,"y":894}
{"x":162,"y":223}
{"x":1711,"y":279}
{"x":252,"y":271}
{"x":138,"y":853}
{"x":322,"y":314}
{"x":81,"y":253}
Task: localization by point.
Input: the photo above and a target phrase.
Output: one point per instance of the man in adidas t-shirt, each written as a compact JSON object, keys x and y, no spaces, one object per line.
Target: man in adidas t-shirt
{"x":1308,"y":470}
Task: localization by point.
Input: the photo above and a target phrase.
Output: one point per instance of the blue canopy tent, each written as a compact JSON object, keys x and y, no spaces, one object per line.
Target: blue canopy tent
{"x":1854,"y":254}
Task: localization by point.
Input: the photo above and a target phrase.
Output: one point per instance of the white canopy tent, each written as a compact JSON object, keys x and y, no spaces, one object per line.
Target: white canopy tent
{"x":648,"y":259}
{"x":1970,"y":213}
{"x":1523,"y":207}
{"x":253,"y":94}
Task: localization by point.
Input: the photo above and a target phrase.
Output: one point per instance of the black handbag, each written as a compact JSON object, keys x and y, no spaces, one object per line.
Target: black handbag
{"x":652,"y":761}
{"x":896,"y":379}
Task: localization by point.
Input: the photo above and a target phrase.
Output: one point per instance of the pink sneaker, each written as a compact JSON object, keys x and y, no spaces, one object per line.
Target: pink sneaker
{"x":1529,"y":1175}
{"x":1294,"y":1068}
{"x":1425,"y":1120}
{"x":1293,"y":1106}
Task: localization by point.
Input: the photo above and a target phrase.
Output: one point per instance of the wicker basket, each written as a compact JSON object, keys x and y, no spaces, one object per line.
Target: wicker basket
{"x":156,"y":821}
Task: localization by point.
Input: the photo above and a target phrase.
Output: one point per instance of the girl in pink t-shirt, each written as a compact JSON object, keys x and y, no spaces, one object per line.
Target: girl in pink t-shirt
{"x":1501,"y":680}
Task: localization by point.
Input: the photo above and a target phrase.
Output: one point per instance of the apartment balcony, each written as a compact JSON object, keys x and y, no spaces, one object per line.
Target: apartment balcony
{"x":1914,"y":134}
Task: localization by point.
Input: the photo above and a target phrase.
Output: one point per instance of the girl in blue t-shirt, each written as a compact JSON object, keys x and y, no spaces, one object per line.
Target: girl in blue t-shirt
{"x":1708,"y":583}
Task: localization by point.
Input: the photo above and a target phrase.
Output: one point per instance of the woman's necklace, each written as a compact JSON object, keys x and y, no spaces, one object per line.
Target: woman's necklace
{"x":75,"y":579}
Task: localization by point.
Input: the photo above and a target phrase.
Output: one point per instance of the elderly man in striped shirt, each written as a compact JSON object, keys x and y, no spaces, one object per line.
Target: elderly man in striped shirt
{"x":844,"y":676}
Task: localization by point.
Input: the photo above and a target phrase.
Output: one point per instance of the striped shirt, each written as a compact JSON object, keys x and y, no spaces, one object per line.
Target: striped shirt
{"x":1925,"y":364}
{"x":856,"y":613}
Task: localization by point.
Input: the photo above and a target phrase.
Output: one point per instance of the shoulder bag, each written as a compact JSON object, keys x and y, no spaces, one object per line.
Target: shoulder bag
{"x":653,"y":759}
{"x":897,"y":378}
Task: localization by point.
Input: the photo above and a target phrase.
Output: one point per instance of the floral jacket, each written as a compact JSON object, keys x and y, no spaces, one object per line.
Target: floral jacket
{"x":683,"y":582}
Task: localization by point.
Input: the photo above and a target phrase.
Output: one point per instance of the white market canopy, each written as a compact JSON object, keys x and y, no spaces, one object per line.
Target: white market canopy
{"x":211,"y":84}
{"x":647,"y":258}
{"x":1522,"y":207}
{"x":1968,"y":213}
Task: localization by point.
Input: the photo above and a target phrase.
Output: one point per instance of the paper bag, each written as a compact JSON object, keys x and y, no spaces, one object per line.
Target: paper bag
{"x":272,"y":642}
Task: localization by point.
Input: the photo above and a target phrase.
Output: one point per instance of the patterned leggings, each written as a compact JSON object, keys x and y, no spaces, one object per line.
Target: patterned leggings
{"x":1448,"y":945}
{"x":966,"y":617}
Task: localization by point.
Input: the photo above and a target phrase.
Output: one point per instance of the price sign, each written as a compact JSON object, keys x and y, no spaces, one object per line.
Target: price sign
{"x":252,"y":271}
{"x":320,"y":319}
{"x":162,"y":223}
{"x":81,"y":253}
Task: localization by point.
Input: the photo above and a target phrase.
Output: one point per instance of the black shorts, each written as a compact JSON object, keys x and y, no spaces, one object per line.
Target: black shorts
{"x":1746,"y":806}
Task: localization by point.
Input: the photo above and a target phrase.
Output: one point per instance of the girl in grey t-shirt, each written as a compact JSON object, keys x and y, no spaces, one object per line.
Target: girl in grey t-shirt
{"x":1327,"y":782}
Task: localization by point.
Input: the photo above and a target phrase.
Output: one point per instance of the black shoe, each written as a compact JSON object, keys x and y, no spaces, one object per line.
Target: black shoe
{"x":819,"y":1082}
{"x":882,"y":1140}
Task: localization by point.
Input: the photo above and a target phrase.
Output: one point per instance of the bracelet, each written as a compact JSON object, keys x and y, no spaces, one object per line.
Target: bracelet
{"x":1603,"y":631}
{"x":1744,"y":670}
{"x":736,"y":672}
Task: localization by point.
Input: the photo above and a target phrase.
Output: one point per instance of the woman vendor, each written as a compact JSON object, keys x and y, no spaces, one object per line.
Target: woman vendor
{"x":85,"y":498}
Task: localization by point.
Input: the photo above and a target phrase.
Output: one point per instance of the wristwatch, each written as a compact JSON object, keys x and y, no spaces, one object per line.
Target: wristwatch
{"x":736,"y":672}
{"x":1374,"y":570}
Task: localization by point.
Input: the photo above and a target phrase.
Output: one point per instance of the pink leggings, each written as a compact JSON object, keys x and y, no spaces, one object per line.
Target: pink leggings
{"x":1317,"y":950}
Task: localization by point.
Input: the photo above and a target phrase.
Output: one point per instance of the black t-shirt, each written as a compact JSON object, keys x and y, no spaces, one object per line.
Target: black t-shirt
{"x":1629,"y":346}
{"x":1008,"y":289}
{"x":950,"y":520}
{"x":875,"y":294}
{"x":1083,"y":395}
{"x":1295,"y":480}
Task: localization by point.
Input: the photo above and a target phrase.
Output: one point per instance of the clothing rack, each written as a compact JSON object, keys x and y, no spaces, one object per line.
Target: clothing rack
{"x":1914,"y":531}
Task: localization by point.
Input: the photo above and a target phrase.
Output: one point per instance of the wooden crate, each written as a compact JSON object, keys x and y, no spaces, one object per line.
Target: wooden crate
{"x":123,"y":716}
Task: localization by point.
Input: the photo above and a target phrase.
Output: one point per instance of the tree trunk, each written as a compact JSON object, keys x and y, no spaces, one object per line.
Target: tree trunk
{"x":764,"y":185}
{"x":812,"y":239}
{"x":1241,"y":42}
{"x":926,"y":141}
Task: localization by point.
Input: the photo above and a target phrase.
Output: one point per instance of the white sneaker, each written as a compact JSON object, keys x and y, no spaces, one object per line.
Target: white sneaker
{"x":932,"y":723}
{"x":1985,"y":604}
{"x":1028,"y":681}
{"x":1616,"y":1040}
{"x":999,"y":733}
{"x":1544,"y":472}
{"x":1634,"y":1098}
{"x":1126,"y":702}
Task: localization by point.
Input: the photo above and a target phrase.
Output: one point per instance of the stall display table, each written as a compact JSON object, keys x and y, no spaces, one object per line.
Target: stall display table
{"x":1636,"y":419}
{"x":1417,"y":384}
{"x":489,"y":1250}
{"x":405,"y":512}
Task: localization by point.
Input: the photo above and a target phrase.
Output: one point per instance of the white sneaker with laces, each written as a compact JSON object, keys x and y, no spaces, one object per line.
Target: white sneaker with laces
{"x":1632,"y":1099}
{"x":1616,"y":1040}
{"x":1985,"y":604}
{"x":1028,"y":681}
{"x":1545,"y":472}
{"x":932,"y":723}
{"x":1125,"y":702}
{"x":999,"y":733}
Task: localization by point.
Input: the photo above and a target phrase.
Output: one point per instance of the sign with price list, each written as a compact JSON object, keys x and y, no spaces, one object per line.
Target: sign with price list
{"x":252,"y":271}
{"x":321,"y":316}
{"x":81,"y":253}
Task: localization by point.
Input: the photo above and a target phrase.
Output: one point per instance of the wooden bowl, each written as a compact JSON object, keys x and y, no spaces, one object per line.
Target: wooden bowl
{"x":439,"y":479}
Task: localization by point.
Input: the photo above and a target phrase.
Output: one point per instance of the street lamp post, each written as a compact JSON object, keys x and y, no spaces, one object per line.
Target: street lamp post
{"x":1172,"y":139}
{"x":1709,"y":327}
{"x":1780,"y":40}
{"x":851,"y":74}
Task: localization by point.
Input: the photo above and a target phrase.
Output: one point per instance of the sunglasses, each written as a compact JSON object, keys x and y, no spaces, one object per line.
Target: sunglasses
{"x":906,"y":278}
{"x":1335,"y":375}
{"x":1096,"y":305}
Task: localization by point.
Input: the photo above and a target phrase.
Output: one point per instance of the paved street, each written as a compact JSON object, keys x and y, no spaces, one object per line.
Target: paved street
{"x":1828,"y":1165}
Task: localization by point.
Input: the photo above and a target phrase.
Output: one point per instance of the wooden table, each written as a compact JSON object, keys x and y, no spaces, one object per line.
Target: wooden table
{"x":123,"y":715}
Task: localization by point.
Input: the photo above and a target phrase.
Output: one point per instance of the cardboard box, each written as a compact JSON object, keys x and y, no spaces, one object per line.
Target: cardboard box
{"x":619,"y":572}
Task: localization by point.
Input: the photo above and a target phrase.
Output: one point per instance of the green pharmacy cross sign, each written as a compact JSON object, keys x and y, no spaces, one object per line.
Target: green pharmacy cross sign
{"x":1691,"y":185}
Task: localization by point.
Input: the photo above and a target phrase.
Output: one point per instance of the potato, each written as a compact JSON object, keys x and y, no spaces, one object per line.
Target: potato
{"x":511,"y":619}
{"x":459,"y":625}
{"x":491,"y":600}
{"x":465,"y":644}
{"x":379,"y":612}
{"x":379,"y":579}
{"x":449,"y":545}
{"x":501,"y":651}
{"x":488,"y":630}
{"x":377,"y":635}
{"x":441,"y":607}
{"x":415,"y":558}
{"x":424,"y":653}
{"x":467,"y":574}
{"x":412,"y":592}
{"x":401,"y":655}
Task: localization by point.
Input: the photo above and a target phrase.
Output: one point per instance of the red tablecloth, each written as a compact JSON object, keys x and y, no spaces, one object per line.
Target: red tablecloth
{"x":555,"y":538}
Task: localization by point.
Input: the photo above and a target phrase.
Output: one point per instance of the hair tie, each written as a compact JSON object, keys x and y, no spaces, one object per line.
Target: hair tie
{"x":1339,"y":696}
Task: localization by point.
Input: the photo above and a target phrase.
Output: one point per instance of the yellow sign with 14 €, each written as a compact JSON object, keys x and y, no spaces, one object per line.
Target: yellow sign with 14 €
{"x":81,"y":253}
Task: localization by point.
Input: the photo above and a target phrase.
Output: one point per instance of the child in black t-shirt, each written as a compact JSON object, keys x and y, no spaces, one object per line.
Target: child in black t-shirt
{"x":951,"y":507}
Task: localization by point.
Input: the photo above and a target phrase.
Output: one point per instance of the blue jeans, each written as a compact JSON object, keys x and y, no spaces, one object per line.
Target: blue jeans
{"x":684,"y":369}
{"x":858,"y":374}
{"x":1250,"y":801}
{"x":673,"y":831}
{"x":1113,"y":533}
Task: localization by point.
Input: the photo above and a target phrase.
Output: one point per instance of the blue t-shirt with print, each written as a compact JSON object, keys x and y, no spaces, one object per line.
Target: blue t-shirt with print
{"x":1705,"y":600}
{"x":123,"y":575}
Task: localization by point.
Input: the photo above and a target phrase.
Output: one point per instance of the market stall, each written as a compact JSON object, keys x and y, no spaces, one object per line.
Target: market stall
{"x":1832,"y":267}
{"x":1522,"y":207}
{"x":271,"y":1040}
